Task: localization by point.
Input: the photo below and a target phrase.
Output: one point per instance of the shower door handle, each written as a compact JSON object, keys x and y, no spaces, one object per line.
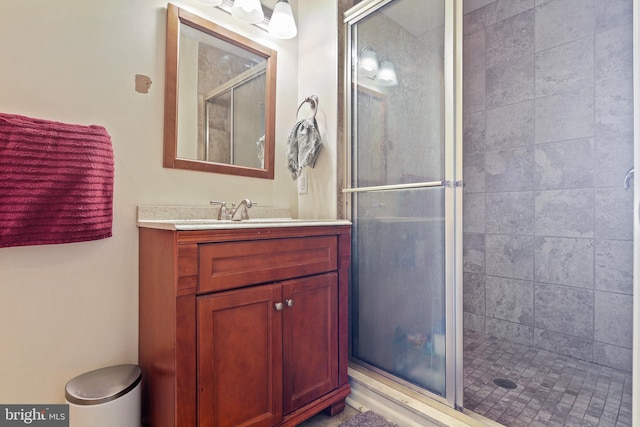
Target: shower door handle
{"x":627,"y":178}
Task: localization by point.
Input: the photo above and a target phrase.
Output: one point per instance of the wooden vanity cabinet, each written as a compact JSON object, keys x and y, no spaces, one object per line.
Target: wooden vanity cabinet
{"x":244,"y":327}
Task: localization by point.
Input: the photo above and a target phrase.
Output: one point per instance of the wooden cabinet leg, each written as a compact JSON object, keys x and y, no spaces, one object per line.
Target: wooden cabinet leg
{"x":335,"y":409}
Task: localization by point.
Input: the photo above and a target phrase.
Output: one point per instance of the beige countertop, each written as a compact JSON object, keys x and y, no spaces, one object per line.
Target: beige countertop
{"x":185,"y":218}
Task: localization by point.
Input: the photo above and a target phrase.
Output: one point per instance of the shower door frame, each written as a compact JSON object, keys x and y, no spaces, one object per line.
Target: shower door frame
{"x":635,"y":408}
{"x":452,"y":183}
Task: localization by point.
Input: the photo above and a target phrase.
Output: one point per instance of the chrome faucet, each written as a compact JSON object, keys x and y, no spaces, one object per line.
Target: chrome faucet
{"x":244,"y":214}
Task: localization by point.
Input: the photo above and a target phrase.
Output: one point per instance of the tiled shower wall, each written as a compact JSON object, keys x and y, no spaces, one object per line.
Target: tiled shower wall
{"x":548,"y":120}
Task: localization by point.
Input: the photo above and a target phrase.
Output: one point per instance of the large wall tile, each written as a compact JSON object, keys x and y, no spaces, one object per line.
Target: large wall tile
{"x":564,"y":309}
{"x":474,"y":293}
{"x":568,"y":345}
{"x":474,"y":133}
{"x":564,"y":213}
{"x":473,"y":172}
{"x":564,"y":164}
{"x":567,"y":115}
{"x":509,"y":256}
{"x":510,"y":126}
{"x":510,"y":213}
{"x":514,"y":332}
{"x":564,"y":261}
{"x":614,"y":266}
{"x":473,"y":253}
{"x":562,"y":21}
{"x":473,"y":73}
{"x":564,"y":68}
{"x":509,"y":39}
{"x":614,"y":54}
{"x":613,"y":13}
{"x":614,"y":213}
{"x":503,"y":9}
{"x":473,"y":22}
{"x":557,"y":79}
{"x":614,"y":106}
{"x":510,"y":170}
{"x":474,"y":322}
{"x":612,"y":313}
{"x":510,"y":82}
{"x":615,"y":157}
{"x":473,"y":217}
{"x":613,"y":356}
{"x":510,"y":299}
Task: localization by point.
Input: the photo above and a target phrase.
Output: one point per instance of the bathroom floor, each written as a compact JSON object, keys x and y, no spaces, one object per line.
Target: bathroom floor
{"x":324,"y":420}
{"x":550,"y":389}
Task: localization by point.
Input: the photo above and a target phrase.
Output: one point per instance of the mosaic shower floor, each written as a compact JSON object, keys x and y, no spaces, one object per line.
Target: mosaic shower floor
{"x":551,"y":389}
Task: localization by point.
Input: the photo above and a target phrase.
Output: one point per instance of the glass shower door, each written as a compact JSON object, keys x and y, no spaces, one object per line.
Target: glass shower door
{"x":402,"y":192}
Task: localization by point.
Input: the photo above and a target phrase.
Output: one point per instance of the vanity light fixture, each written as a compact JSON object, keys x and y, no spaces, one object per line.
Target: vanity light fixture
{"x":212,"y":3}
{"x":249,"y":11}
{"x":282,"y":24}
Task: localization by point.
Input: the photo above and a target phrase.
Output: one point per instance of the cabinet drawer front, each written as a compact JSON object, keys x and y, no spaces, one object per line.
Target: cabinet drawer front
{"x":236,"y":264}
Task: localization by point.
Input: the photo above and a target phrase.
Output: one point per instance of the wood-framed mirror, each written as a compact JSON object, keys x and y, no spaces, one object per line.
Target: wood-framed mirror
{"x":220,"y":93}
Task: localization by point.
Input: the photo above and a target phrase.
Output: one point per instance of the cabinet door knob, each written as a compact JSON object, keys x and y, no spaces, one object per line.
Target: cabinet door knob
{"x":279,"y":306}
{"x":289,"y":302}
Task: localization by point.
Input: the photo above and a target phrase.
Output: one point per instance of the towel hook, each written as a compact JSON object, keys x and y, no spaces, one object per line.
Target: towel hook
{"x":313,"y":100}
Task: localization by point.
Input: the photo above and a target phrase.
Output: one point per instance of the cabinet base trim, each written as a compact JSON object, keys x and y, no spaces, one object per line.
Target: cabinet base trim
{"x":296,"y":417}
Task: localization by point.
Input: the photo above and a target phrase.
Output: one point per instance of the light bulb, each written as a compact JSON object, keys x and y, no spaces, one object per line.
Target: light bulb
{"x":249,"y":11}
{"x":282,"y":24}
{"x":368,"y":63}
{"x":386,"y":74}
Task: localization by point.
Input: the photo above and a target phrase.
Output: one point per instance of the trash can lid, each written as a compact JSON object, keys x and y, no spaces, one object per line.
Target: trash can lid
{"x":103,"y":385}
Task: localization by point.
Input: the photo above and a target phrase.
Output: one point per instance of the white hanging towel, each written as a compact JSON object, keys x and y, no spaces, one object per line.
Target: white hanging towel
{"x":303,"y":146}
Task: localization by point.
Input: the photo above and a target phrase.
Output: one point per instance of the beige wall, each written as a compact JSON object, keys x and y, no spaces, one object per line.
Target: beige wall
{"x":67,"y":309}
{"x":318,"y":75}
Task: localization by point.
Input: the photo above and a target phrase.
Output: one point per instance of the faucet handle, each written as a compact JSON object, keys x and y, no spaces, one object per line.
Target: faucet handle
{"x":245,"y":213}
{"x":223,"y":213}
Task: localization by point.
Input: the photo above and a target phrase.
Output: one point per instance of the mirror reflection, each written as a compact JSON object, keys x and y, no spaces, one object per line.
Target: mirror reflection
{"x":224,"y":99}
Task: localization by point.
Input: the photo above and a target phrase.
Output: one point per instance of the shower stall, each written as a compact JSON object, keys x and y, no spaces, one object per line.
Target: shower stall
{"x":537,"y":264}
{"x":548,"y":222}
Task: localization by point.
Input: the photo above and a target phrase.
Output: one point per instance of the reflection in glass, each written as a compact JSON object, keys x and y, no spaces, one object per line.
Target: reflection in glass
{"x":226,"y":113}
{"x":407,"y":107}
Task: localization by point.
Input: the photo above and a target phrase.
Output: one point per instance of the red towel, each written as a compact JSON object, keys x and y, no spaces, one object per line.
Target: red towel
{"x":56,"y":182}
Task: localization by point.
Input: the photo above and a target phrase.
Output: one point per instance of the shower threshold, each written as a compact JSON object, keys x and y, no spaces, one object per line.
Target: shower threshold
{"x":404,"y":406}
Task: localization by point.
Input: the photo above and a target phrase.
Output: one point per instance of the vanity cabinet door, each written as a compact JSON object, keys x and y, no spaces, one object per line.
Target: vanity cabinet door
{"x":310,"y":339}
{"x":240,"y":357}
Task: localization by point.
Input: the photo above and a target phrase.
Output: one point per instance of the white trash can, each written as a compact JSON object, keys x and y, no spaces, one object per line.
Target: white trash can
{"x":106,"y":397}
